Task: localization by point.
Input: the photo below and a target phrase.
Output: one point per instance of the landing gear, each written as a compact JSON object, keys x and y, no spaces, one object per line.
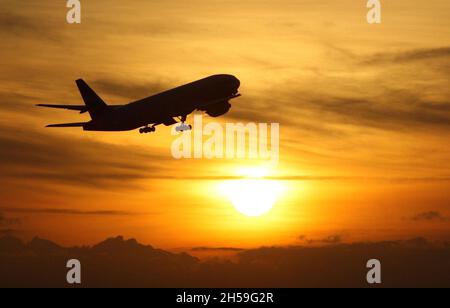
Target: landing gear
{"x":183,"y":126}
{"x":147,"y":129}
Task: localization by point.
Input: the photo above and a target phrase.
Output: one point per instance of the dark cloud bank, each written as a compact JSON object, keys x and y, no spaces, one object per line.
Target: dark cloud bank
{"x":126,"y":263}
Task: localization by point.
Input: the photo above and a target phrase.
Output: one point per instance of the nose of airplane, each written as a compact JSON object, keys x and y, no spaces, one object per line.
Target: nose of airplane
{"x":237,"y":82}
{"x":234,"y":81}
{"x":231,"y":81}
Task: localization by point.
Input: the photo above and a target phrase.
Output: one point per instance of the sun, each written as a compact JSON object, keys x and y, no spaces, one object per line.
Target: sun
{"x":252,"y":197}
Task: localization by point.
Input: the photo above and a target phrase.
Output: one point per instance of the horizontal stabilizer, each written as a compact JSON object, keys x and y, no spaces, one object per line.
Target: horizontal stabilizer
{"x":67,"y":125}
{"x":80,"y":108}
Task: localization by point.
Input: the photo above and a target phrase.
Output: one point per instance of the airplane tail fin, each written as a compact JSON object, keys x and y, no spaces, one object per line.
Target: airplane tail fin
{"x":95,"y":105}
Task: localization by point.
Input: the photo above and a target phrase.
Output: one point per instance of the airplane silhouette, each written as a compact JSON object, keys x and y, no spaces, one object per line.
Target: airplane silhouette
{"x":211,"y":95}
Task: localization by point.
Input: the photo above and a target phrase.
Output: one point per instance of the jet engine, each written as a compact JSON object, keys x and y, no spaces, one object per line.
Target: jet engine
{"x":218,"y":109}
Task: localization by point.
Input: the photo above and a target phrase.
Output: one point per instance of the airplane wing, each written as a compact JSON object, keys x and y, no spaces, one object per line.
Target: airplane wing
{"x":67,"y":125}
{"x":80,"y":108}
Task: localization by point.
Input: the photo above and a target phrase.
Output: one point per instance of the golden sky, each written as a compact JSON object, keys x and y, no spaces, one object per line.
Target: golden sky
{"x":364,"y":112}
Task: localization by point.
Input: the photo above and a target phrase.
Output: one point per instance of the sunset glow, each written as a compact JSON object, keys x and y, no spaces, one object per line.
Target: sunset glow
{"x":363,"y":113}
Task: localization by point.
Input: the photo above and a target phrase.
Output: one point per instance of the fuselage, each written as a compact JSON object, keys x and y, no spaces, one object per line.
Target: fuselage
{"x":160,"y":108}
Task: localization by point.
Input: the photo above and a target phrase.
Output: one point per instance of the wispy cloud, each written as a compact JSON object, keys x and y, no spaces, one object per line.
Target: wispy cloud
{"x":205,"y":249}
{"x":430,"y":216}
{"x":73,"y":161}
{"x":64,"y":211}
{"x":7,"y":224}
{"x":4,"y":221}
{"x":8,"y":232}
{"x":409,"y":56}
{"x":33,"y":26}
{"x":328,"y":240}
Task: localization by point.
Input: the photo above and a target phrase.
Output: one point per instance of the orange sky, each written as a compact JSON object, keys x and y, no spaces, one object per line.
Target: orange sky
{"x":364,"y":114}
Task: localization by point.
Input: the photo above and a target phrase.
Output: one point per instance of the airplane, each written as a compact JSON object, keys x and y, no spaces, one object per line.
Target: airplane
{"x":211,"y":95}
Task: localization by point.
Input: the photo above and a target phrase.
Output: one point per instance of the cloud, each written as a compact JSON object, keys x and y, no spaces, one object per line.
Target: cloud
{"x":332,"y":239}
{"x":10,"y":226}
{"x":4,"y":221}
{"x":64,"y":211}
{"x":18,"y":103}
{"x":328,"y":240}
{"x":7,"y":232}
{"x":80,"y":162}
{"x":7,"y":223}
{"x":393,"y":110}
{"x":33,"y":26}
{"x":409,"y":56}
{"x":424,"y":264}
{"x":430,"y":216}
{"x":201,"y":249}
{"x":311,"y":111}
{"x":388,"y":98}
